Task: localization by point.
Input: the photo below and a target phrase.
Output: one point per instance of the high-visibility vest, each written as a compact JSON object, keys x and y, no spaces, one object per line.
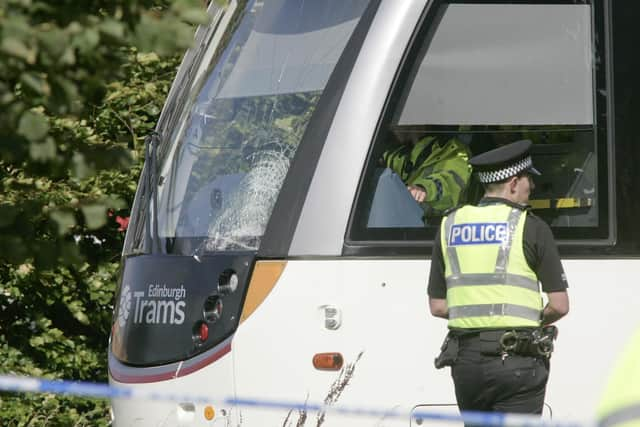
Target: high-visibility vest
{"x":489,"y":282}
{"x":440,"y":167}
{"x":620,"y":404}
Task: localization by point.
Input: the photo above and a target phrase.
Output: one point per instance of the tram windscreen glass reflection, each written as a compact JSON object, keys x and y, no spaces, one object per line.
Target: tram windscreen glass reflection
{"x":245,"y":121}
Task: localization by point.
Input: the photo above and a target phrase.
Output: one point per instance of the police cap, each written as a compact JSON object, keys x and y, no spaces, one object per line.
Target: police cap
{"x":504,"y":162}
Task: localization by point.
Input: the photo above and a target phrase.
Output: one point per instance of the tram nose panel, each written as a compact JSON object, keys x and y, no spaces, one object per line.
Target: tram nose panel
{"x":172,"y":308}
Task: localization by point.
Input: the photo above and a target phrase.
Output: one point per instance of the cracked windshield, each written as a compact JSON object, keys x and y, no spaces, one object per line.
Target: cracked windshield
{"x":245,"y":119}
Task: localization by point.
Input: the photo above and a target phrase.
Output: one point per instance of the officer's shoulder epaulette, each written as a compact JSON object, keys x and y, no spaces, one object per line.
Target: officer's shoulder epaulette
{"x":532,"y":215}
{"x":535,"y":221}
{"x":533,"y":218}
{"x":452,"y":209}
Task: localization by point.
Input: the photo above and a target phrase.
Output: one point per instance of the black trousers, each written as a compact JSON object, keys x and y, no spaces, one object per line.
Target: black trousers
{"x":515,"y":384}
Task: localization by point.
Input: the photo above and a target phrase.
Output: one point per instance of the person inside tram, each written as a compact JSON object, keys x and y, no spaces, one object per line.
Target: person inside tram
{"x":435,"y":170}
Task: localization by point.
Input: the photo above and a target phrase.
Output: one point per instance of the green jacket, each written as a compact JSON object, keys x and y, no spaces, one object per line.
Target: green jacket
{"x":440,"y":167}
{"x":620,"y":405}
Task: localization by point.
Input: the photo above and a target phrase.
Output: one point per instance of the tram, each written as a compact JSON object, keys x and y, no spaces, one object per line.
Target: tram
{"x":271,"y":256}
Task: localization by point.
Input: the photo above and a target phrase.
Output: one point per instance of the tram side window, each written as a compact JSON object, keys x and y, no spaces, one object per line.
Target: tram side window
{"x":480,"y":76}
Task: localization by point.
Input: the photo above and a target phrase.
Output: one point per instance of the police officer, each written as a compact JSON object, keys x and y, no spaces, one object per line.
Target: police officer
{"x":435,"y":170}
{"x":485,"y":276}
{"x":620,"y":405}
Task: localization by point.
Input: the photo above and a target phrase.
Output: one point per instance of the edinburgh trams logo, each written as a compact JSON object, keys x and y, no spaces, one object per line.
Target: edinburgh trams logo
{"x":158,"y":304}
{"x":125,"y":306}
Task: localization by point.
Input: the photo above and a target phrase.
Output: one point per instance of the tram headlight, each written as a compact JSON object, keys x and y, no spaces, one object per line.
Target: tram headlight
{"x":212,"y":309}
{"x":227,"y":282}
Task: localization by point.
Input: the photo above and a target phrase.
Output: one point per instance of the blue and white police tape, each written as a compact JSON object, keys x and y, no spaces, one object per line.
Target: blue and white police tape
{"x":13,"y":383}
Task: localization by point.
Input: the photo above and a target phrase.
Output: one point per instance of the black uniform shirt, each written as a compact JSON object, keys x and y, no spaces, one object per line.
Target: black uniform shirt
{"x":540,"y":251}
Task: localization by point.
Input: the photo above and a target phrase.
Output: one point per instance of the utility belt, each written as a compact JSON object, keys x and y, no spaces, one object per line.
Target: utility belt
{"x":536,"y":342}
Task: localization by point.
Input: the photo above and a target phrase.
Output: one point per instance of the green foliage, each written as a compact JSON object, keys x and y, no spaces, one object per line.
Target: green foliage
{"x":76,"y":100}
{"x":57,"y":58}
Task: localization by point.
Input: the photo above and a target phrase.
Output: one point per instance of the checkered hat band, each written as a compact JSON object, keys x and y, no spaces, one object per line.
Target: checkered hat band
{"x":506,"y":172}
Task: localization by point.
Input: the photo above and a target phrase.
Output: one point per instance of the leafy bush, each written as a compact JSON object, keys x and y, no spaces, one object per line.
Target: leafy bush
{"x":76,"y":101}
{"x":55,"y":318}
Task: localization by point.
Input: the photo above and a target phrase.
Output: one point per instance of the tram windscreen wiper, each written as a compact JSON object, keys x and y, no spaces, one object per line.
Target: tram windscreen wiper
{"x":151,"y":238}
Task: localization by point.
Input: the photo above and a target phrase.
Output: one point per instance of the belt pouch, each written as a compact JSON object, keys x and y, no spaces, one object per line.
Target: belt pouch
{"x":490,"y":343}
{"x":448,"y":352}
